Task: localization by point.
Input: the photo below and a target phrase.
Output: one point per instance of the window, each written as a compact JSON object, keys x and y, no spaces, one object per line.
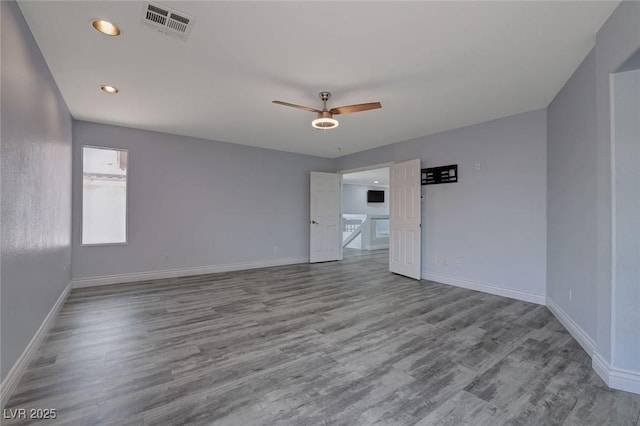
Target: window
{"x":104,"y":195}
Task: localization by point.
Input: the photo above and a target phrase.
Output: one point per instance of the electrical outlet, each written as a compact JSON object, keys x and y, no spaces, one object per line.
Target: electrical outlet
{"x":444,"y":262}
{"x":276,"y":249}
{"x":458,"y":262}
{"x":166,"y":257}
{"x":477,"y":166}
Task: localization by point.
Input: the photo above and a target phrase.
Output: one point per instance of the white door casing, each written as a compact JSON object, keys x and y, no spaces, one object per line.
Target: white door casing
{"x":404,"y":219}
{"x":325,"y":222}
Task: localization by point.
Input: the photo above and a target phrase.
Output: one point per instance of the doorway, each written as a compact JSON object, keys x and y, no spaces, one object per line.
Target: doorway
{"x":365,"y":214}
{"x":399,"y":229}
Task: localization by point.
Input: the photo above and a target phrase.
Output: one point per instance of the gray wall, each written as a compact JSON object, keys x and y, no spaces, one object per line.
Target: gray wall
{"x":572,"y":198}
{"x":616,"y":42}
{"x":36,"y":188}
{"x":354,"y":200}
{"x":626,"y":277}
{"x":580,"y":212}
{"x":493,"y":219}
{"x":203,"y":203}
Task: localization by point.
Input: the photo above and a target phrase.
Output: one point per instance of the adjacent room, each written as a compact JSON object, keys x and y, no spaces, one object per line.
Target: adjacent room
{"x":365,"y":212}
{"x":320,"y":213}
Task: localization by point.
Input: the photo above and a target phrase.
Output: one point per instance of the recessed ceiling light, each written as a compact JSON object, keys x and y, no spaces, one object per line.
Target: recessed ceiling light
{"x":106,"y":27}
{"x":375,"y":181}
{"x":109,"y":89}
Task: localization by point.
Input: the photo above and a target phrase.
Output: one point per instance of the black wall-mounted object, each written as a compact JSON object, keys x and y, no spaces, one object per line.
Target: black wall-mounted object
{"x":374,"y":196}
{"x":442,"y":174}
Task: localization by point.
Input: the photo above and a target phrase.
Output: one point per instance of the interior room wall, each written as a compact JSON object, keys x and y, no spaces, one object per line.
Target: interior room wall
{"x":493,"y":221}
{"x":354,"y":200}
{"x":617,"y":40}
{"x":195,"y":203}
{"x":572,"y":200}
{"x":626,"y":215}
{"x":36,"y":188}
{"x":581,"y":209}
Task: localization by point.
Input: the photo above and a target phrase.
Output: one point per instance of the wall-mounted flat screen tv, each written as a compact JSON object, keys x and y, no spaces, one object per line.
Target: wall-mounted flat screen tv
{"x":374,"y":196}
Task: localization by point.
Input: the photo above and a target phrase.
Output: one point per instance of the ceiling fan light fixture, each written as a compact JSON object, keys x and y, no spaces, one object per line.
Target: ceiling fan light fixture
{"x":324,"y":123}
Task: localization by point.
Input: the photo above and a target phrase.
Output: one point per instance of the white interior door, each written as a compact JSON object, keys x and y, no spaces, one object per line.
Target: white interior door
{"x":404,"y":219}
{"x":325,"y":221}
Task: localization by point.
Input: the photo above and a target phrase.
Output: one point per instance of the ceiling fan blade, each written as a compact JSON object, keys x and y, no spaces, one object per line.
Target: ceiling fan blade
{"x":296,"y":106}
{"x":355,"y":108}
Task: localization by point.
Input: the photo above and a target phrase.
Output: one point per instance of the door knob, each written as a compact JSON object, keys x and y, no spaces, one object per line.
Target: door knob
{"x":313,"y":222}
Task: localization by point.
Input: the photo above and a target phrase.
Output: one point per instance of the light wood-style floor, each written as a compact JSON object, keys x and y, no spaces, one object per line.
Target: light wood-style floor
{"x":344,"y":343}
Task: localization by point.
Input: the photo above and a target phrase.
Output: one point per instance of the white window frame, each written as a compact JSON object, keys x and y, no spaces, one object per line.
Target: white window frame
{"x":126,"y":207}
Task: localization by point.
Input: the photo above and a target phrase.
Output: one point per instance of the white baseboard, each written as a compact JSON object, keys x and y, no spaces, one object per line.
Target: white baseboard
{"x":587,"y":343}
{"x":601,"y":367}
{"x":625,"y":380}
{"x":8,"y":385}
{"x":182,"y":272}
{"x":486,"y":288}
{"x":616,"y":378}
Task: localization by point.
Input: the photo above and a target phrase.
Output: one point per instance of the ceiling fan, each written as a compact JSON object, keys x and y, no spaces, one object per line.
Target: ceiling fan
{"x":325,"y":118}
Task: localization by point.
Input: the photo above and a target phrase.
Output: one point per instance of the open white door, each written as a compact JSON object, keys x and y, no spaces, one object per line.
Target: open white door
{"x":404,"y":219}
{"x":325,"y":221}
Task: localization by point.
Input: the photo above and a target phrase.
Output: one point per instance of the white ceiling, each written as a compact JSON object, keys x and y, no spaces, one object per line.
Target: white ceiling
{"x":433,"y":65}
{"x":368,"y":177}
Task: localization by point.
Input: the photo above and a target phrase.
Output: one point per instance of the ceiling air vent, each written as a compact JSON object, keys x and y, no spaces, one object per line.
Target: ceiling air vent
{"x":167,"y":21}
